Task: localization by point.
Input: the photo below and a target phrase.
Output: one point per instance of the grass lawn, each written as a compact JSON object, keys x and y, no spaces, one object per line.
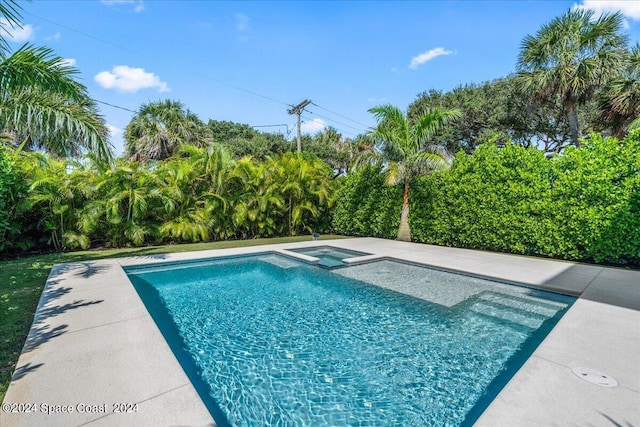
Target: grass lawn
{"x":22,"y":280}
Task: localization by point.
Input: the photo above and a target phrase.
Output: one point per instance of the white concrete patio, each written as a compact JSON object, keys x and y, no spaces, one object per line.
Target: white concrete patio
{"x":93,"y":343}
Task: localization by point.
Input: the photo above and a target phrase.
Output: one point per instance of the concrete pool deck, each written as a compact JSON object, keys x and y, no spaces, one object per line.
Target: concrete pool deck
{"x":93,"y":348}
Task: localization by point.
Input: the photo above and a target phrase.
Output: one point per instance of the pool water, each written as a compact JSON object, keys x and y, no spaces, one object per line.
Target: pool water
{"x":268,"y":340}
{"x":329,"y":256}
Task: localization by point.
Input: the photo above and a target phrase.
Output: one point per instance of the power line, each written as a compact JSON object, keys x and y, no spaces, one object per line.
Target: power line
{"x":149,"y":57}
{"x":207,"y":77}
{"x":336,"y":121}
{"x":338,"y":114}
{"x":86,"y":34}
{"x":336,"y":128}
{"x":115,"y":106}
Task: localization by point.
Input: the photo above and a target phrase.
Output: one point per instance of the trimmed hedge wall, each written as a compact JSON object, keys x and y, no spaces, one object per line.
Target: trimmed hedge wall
{"x":365,"y":206}
{"x":581,"y":205}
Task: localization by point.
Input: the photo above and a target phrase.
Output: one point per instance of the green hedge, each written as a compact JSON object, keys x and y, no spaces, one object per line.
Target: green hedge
{"x":366,"y":207}
{"x":581,"y":205}
{"x":494,"y":199}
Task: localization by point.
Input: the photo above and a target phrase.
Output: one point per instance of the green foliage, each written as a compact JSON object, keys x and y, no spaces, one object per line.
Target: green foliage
{"x":12,"y":194}
{"x":223,"y":131}
{"x":158,"y":129}
{"x":241,"y":140}
{"x":330,"y":146}
{"x":365,"y":206}
{"x":571,"y":58}
{"x":581,"y":205}
{"x":596,"y":196}
{"x":493,"y":200}
{"x":501,"y":109}
{"x":259,"y":147}
{"x":200,"y":194}
{"x":43,"y":106}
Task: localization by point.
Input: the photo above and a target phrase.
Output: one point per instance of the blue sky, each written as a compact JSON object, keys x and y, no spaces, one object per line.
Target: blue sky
{"x":246,"y":61}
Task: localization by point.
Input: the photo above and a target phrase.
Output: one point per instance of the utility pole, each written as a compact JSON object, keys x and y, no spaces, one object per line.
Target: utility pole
{"x":297,"y":110}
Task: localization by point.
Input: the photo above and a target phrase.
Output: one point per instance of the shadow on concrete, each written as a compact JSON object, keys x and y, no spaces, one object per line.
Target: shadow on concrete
{"x":617,"y":423}
{"x":49,"y":307}
{"x":88,"y":269}
{"x":607,"y":285}
{"x":39,"y":335}
{"x":85,"y":270}
{"x":23,"y":370}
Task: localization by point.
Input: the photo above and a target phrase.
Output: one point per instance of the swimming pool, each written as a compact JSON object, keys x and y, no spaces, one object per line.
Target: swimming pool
{"x":268,"y":340}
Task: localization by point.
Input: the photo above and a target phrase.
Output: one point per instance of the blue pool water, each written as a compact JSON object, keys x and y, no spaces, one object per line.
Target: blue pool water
{"x":268,"y":340}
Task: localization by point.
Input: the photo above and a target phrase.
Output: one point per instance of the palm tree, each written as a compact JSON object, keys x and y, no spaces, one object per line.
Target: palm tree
{"x":620,"y":103}
{"x":404,"y":148}
{"x":570,"y":58}
{"x":159,"y":128}
{"x":257,"y":202}
{"x":41,"y":105}
{"x":305,"y":188}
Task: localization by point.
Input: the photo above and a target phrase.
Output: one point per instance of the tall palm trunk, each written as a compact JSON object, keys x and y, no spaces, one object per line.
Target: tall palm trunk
{"x":404,"y":231}
{"x":574,"y":126}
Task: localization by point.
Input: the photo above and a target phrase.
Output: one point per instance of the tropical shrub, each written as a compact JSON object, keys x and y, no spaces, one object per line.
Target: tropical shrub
{"x":199,"y":194}
{"x":13,"y":191}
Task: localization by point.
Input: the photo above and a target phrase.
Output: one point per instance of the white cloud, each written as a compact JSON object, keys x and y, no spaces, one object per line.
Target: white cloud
{"x":138,"y":4}
{"x":630,"y":9}
{"x":69,"y":62}
{"x":127,"y":79}
{"x":313,"y":126}
{"x":54,"y":37}
{"x":416,"y":61}
{"x":242,"y":22}
{"x":16,"y":34}
{"x":114,"y":131}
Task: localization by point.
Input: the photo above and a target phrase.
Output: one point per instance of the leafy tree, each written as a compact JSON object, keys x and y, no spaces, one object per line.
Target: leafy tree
{"x":500,"y":110}
{"x":223,"y":131}
{"x":258,"y":147}
{"x":241,"y":140}
{"x":331,"y":147}
{"x":405,"y":148}
{"x":158,"y":129}
{"x":570,"y":58}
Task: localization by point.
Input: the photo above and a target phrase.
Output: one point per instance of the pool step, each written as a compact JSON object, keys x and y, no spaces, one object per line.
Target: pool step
{"x":530,"y":304}
{"x":521,"y":310}
{"x":508,"y":314}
